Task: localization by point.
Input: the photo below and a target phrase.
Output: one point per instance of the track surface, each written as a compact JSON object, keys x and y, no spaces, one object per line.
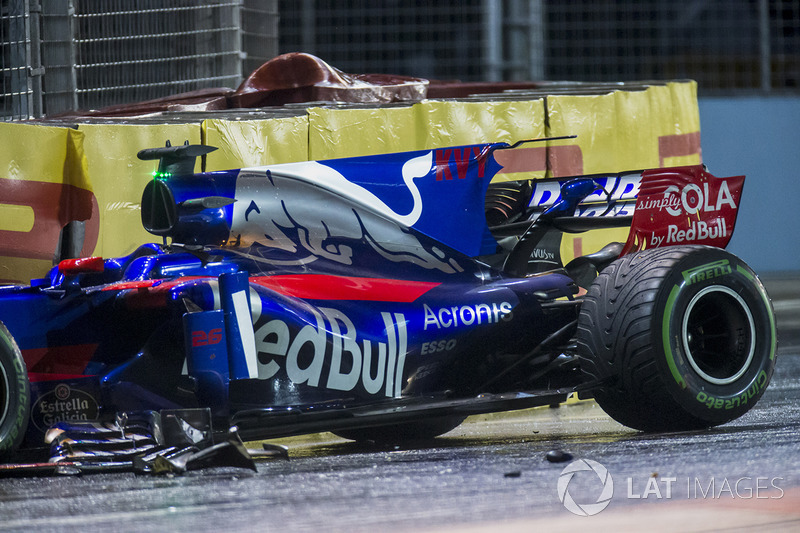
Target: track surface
{"x":488,"y":474}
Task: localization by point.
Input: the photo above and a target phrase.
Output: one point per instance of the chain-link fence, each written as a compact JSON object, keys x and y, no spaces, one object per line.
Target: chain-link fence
{"x":728,"y":46}
{"x":440,"y":40}
{"x":60,"y":55}
{"x":142,"y":50}
{"x":16,"y":94}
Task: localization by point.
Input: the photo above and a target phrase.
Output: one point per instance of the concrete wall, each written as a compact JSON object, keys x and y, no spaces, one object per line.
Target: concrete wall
{"x":759,"y":137}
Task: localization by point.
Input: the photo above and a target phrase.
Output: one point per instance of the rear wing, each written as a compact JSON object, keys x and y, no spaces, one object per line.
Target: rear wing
{"x":684,"y":205}
{"x":661,"y":207}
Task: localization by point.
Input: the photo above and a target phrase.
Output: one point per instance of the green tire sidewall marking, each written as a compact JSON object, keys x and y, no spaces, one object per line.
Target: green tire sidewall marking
{"x":773,"y":330}
{"x":665,"y":337}
{"x":17,"y":387}
{"x":666,"y":320}
{"x":5,"y":339}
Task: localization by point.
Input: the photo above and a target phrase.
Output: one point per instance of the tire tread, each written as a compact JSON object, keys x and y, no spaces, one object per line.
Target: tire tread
{"x":620,"y":350}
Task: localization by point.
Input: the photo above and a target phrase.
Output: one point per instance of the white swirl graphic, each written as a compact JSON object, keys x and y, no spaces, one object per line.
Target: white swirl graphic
{"x":585,"y":509}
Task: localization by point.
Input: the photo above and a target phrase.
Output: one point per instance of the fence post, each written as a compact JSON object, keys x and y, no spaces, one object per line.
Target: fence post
{"x":765,"y":54}
{"x":493,"y":47}
{"x":36,"y":70}
{"x":58,"y":56}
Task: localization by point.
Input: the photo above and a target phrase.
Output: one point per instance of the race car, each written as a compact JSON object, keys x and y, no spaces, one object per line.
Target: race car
{"x":387,"y":298}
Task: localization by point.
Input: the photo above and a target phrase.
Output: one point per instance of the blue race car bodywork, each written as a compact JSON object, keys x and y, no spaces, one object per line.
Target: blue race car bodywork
{"x":369,"y":297}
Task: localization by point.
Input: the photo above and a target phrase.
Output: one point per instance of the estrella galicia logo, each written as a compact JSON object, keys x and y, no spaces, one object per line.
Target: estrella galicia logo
{"x":567,"y":475}
{"x":63,"y":404}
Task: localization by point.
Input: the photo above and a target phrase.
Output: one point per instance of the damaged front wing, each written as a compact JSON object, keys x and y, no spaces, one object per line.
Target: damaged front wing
{"x":168,"y":442}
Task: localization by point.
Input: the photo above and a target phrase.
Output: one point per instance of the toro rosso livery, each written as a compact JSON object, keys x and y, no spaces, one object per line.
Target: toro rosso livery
{"x":388,"y":297}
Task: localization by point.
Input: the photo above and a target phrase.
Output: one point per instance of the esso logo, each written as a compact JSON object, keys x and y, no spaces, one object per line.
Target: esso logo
{"x":437,"y":346}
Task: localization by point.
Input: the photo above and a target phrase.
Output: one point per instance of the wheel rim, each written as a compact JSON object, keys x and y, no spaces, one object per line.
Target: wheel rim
{"x":718,"y":335}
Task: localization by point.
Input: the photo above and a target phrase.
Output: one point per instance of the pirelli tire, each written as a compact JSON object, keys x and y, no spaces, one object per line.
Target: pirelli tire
{"x":681,"y":338}
{"x":14,"y":395}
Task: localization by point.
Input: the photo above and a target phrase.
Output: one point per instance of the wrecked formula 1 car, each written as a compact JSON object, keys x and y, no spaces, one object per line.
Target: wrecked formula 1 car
{"x":369,"y":297}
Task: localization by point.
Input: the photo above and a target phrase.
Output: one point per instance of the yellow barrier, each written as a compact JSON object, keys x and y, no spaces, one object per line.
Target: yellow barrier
{"x":448,"y":123}
{"x":335,"y":133}
{"x":619,"y":130}
{"x":630,"y":130}
{"x":679,"y":138}
{"x":622,"y":130}
{"x":32,"y":190}
{"x":251,"y":143}
{"x":119,"y":177}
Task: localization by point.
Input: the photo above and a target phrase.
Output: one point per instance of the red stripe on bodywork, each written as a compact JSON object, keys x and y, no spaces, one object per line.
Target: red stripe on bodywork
{"x":325,"y":287}
{"x":59,"y":359}
{"x":158,"y":284}
{"x":152,"y":293}
{"x":137,"y":284}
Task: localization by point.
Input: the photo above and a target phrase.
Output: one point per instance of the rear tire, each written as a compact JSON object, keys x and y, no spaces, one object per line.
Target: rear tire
{"x":14,"y":395}
{"x":681,"y":337}
{"x":407,"y":431}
